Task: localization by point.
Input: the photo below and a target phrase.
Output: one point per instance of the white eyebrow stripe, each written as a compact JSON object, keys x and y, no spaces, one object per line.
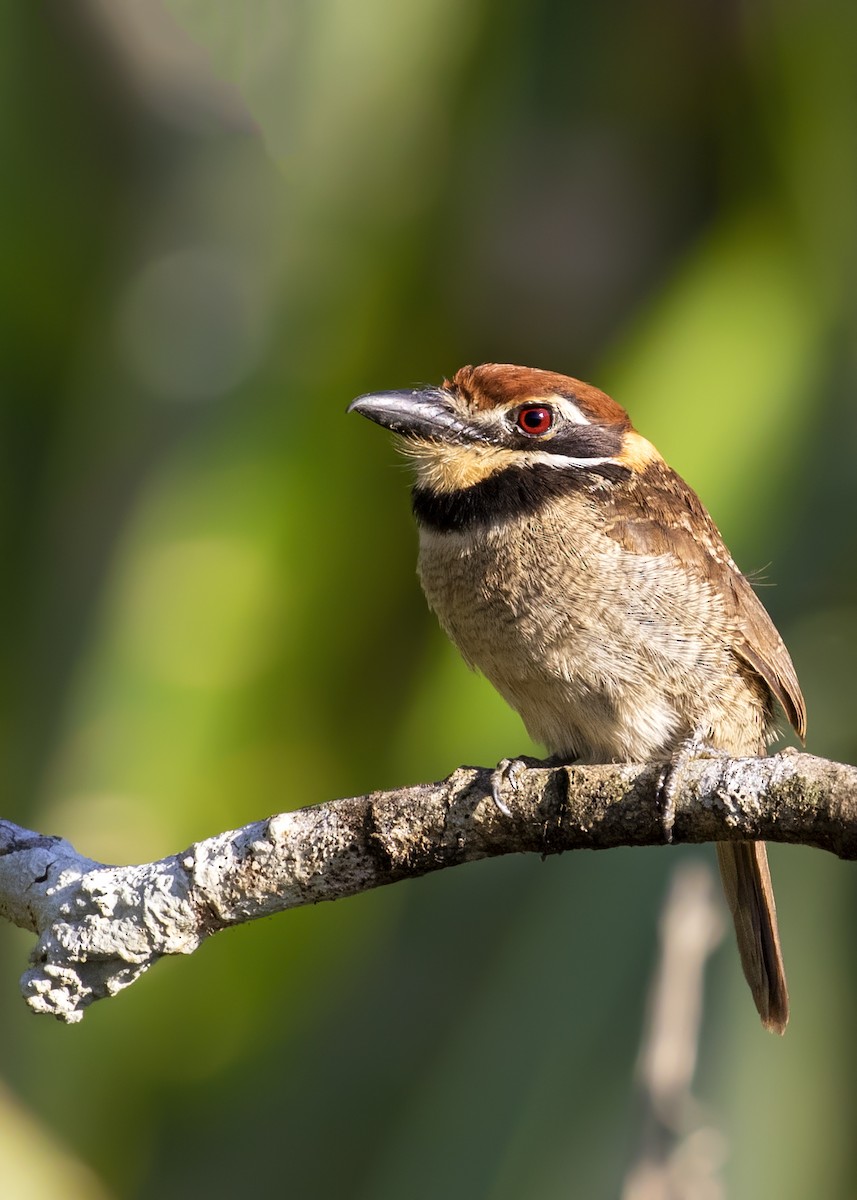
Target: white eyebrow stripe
{"x":570,"y":411}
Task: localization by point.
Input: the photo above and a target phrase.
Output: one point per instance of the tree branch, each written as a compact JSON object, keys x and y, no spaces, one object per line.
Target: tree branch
{"x":101,"y":927}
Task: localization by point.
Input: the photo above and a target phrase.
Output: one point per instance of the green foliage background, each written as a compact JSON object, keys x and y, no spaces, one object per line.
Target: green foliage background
{"x":220,"y":223}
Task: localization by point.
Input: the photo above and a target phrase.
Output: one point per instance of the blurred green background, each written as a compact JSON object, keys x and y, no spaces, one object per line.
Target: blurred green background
{"x":222,"y":221}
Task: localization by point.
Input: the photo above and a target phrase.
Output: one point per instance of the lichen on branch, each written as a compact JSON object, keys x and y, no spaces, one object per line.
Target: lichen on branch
{"x":100,"y":927}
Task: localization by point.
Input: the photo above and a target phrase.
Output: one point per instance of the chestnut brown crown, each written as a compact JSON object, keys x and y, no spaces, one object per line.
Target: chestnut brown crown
{"x":499,"y":385}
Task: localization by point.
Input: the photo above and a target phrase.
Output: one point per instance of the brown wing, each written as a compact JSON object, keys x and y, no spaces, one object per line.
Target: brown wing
{"x":762,"y":648}
{"x":656,"y":512}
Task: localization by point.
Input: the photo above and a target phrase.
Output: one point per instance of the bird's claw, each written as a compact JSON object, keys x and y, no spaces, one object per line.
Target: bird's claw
{"x":667,"y":787}
{"x":507,"y":773}
{"x":670,"y":778}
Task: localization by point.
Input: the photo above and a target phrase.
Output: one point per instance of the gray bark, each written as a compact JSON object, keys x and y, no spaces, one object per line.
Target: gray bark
{"x":100,"y":927}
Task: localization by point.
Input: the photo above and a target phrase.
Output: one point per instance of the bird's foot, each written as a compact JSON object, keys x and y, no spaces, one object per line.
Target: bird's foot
{"x":507,"y":773}
{"x":669,"y":780}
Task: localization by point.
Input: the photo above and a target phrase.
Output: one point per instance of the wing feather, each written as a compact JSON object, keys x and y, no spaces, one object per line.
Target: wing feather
{"x":655,"y":512}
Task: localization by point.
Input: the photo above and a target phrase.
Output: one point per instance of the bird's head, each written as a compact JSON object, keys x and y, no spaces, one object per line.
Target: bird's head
{"x":497,"y":418}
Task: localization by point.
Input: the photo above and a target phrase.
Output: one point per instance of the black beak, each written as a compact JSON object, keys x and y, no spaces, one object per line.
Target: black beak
{"x":424,"y":413}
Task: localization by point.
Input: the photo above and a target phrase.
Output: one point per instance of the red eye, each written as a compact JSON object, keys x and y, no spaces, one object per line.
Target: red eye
{"x":534,"y":419}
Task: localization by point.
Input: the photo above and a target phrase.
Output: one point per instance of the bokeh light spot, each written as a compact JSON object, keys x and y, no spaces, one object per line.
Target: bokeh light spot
{"x":192,"y":325}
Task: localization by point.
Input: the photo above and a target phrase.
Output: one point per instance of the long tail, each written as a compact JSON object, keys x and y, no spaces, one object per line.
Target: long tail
{"x":747,"y":884}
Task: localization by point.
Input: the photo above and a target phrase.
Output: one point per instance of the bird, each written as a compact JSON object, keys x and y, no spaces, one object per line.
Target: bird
{"x":580,"y":574}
